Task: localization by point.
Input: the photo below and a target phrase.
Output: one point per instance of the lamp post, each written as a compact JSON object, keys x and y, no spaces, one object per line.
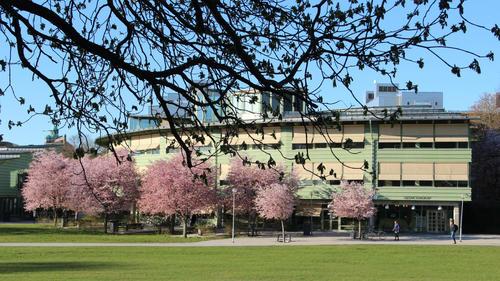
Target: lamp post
{"x":234,"y":204}
{"x":311,"y":215}
{"x":461,"y":216}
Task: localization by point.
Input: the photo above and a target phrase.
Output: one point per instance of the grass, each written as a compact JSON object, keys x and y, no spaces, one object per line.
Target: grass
{"x":354,"y":262}
{"x":36,"y":233}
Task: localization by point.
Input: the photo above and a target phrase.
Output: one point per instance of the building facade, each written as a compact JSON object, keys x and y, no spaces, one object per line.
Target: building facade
{"x":14,"y":162}
{"x":419,"y":165}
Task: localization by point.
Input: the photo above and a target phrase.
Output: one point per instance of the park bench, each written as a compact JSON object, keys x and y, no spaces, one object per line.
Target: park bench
{"x":288,"y":238}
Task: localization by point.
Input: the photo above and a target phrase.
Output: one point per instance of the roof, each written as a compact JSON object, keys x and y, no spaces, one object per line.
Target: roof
{"x":370,"y":114}
{"x":16,"y":151}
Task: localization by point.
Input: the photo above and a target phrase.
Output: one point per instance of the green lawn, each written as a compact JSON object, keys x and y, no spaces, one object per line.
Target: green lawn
{"x":357,"y":262}
{"x":33,"y":233}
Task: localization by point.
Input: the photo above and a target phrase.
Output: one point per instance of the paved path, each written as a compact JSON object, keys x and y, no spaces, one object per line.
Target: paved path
{"x":297,"y":239}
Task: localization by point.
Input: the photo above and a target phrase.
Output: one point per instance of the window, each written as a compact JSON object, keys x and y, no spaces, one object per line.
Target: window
{"x":409,"y":145}
{"x":445,"y":183}
{"x":298,"y":105}
{"x":134,"y":124}
{"x":302,"y":146}
{"x":463,"y":145}
{"x":463,"y":183}
{"x":351,"y":145}
{"x":408,"y":183}
{"x":21,"y":178}
{"x":383,"y":145}
{"x":388,"y":183}
{"x":173,"y":150}
{"x":204,"y":148}
{"x":276,"y":103}
{"x":425,"y":183}
{"x":335,"y":145}
{"x":370,"y":96}
{"x":426,"y":145}
{"x":445,"y":145}
{"x":387,"y":89}
{"x":320,"y":145}
{"x":272,"y":146}
{"x":287,"y":103}
{"x":334,"y":182}
{"x":266,"y":102}
{"x":144,"y":123}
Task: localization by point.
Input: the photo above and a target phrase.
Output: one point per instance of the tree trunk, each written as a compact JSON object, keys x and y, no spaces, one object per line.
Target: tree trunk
{"x":172,"y":224}
{"x":219,"y":218}
{"x":184,"y":227}
{"x":55,"y":216}
{"x":283,"y":230}
{"x":249,"y":230}
{"x":105,"y":223}
{"x":359,"y":228}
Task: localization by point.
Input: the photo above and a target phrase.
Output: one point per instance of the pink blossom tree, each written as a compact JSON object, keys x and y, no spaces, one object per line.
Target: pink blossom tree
{"x":276,"y":201}
{"x":171,"y":188}
{"x":353,"y":201}
{"x":48,"y":181}
{"x":248,"y":180}
{"x":104,"y":185}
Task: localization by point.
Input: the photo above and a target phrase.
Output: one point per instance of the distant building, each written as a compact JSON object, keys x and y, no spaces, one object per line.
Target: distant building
{"x":54,"y":137}
{"x":14,"y":161}
{"x":387,"y":94}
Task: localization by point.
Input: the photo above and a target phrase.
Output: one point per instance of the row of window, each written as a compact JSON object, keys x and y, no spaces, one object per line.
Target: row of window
{"x":398,"y":145}
{"x":351,"y":145}
{"x":382,"y":183}
{"x":147,"y":151}
{"x":297,"y":146}
{"x":141,"y":123}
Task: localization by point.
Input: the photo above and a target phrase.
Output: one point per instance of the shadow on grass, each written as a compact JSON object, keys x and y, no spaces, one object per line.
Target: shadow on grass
{"x":31,"y":267}
{"x":24,"y":230}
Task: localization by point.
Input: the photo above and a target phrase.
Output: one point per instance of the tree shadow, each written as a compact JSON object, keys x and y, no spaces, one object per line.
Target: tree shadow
{"x":16,"y":267}
{"x":24,"y":230}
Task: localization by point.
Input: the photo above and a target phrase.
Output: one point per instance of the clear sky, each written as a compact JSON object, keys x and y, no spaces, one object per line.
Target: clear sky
{"x":459,"y":93}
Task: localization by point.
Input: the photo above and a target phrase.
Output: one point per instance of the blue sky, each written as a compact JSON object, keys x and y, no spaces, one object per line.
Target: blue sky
{"x":459,"y":93}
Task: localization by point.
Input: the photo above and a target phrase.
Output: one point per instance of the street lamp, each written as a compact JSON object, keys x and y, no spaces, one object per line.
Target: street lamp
{"x":461,"y":216}
{"x":234,"y":190}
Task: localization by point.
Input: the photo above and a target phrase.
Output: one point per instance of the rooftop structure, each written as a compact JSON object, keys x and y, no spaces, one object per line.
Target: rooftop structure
{"x":388,"y":94}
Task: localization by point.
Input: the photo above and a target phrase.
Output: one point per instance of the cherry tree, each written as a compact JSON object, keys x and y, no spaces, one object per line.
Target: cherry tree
{"x":353,"y":201}
{"x":104,"y":185}
{"x":171,"y":188}
{"x":276,"y":202}
{"x":48,"y":180}
{"x":248,"y":179}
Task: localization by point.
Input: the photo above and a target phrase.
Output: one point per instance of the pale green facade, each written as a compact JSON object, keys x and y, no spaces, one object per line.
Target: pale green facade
{"x":432,"y":197}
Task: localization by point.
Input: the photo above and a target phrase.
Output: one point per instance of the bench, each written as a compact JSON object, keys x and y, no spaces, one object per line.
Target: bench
{"x":288,"y":238}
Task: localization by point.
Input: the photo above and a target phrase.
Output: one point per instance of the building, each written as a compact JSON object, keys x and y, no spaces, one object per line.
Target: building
{"x":419,"y":165}
{"x":14,"y":161}
{"x":387,"y":94}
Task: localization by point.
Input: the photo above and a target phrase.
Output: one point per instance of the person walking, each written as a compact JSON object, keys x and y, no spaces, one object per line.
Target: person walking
{"x":396,"y":230}
{"x":453,"y":230}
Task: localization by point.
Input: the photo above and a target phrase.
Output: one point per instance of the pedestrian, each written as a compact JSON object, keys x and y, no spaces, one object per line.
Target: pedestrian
{"x":453,"y":230}
{"x":396,"y":230}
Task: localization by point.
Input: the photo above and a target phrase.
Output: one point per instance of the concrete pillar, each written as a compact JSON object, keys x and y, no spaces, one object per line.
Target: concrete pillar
{"x":331,"y":220}
{"x":456,"y":214}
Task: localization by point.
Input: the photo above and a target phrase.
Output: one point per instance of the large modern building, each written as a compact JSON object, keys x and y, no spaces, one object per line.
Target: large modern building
{"x":419,"y":165}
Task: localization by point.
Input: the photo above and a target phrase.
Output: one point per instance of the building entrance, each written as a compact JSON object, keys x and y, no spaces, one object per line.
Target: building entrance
{"x":436,"y":221}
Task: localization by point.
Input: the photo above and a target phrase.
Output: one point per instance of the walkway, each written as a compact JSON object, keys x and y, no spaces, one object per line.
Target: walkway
{"x":297,"y":239}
